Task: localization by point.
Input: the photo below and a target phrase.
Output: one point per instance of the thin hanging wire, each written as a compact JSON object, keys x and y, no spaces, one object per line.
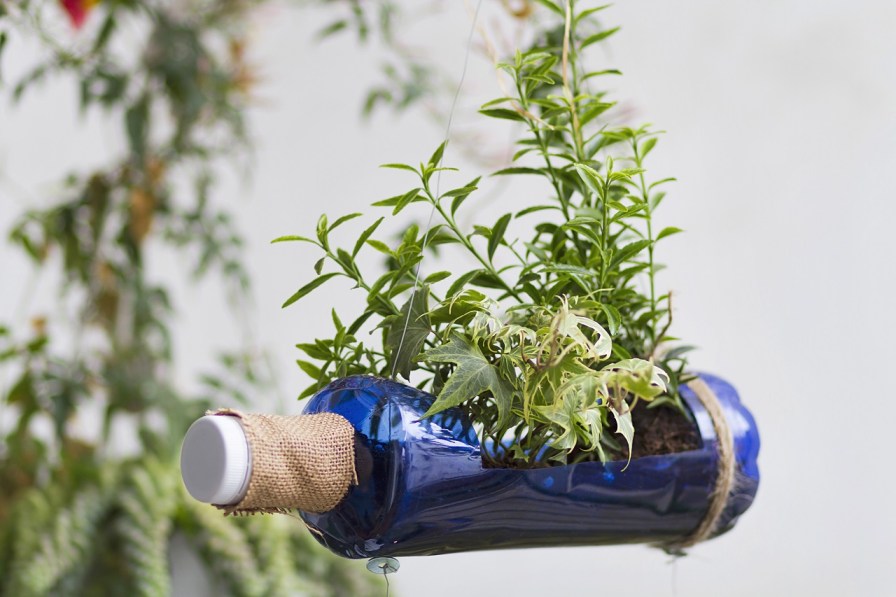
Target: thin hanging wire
{"x":432,"y":211}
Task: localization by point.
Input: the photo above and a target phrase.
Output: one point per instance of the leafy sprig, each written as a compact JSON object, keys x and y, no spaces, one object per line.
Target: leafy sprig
{"x":548,"y":341}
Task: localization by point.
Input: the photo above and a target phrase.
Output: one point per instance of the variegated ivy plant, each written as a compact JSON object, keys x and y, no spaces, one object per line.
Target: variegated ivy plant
{"x":550,"y":340}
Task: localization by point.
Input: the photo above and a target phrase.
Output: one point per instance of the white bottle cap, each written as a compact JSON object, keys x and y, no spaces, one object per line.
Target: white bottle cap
{"x":214,"y":460}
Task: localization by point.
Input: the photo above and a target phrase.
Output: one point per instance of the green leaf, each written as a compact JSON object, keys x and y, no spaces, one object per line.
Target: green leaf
{"x":503,"y":113}
{"x":293,"y":238}
{"x":593,"y":39}
{"x":436,"y":277}
{"x":462,"y":281}
{"x":3,"y":40}
{"x":534,"y":209}
{"x":322,"y":230}
{"x":497,"y":234}
{"x":473,"y":376}
{"x":600,"y":73}
{"x":331,"y":29}
{"x":408,"y":332}
{"x":591,"y":178}
{"x":594,"y":110}
{"x":628,"y":251}
{"x":551,"y":6}
{"x":364,"y":236}
{"x":590,"y":11}
{"x":307,"y":288}
{"x":436,"y":157}
{"x":662,"y":181}
{"x":310,"y":369}
{"x":518,"y":170}
{"x":314,"y":351}
{"x":400,"y":167}
{"x":614,"y":317}
{"x":381,"y":247}
{"x":137,"y":125}
{"x":404,"y":200}
{"x":343,"y":220}
{"x":668,"y":231}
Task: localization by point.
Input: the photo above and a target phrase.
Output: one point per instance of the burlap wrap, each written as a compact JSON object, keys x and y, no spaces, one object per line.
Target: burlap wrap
{"x":303,"y":461}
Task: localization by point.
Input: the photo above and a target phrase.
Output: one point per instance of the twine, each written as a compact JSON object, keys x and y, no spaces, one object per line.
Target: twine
{"x":718,"y":498}
{"x":304,"y":462}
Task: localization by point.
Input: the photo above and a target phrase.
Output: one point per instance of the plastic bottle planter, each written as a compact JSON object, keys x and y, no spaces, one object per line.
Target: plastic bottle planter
{"x":383,"y":481}
{"x":422,"y":488}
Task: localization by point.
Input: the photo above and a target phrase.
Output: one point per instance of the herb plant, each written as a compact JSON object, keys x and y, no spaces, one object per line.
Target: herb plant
{"x":551,"y":339}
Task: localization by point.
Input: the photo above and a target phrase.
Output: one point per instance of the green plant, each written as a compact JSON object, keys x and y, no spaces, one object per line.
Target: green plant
{"x":548,"y":340}
{"x":75,"y":518}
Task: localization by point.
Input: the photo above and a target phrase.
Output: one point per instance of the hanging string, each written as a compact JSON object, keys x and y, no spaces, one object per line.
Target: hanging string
{"x":383,"y":565}
{"x":432,"y":211}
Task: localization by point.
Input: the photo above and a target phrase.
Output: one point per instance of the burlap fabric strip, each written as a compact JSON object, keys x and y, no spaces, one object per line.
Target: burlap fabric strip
{"x":725,"y":479}
{"x":304,"y":462}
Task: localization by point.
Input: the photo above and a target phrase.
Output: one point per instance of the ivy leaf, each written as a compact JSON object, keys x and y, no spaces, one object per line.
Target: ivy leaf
{"x":563,"y":413}
{"x":638,"y":377}
{"x":593,"y":421}
{"x":626,"y":429}
{"x":473,"y":376}
{"x":567,"y":324}
{"x":408,"y":332}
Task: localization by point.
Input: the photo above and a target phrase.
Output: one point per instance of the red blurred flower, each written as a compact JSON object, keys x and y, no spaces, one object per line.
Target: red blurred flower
{"x":77,"y":10}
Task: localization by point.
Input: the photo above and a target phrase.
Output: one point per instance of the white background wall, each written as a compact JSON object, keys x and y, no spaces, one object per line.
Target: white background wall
{"x":781,"y":120}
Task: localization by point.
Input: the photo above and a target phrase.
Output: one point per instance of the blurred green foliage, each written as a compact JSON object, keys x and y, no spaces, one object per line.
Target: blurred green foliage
{"x":74,"y":517}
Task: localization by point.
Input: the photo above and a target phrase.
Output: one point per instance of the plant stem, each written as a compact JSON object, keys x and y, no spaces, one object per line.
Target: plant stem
{"x":568,"y":60}
{"x":469,"y":245}
{"x":651,"y":270}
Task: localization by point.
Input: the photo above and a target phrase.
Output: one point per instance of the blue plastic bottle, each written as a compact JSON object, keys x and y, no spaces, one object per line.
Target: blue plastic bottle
{"x":422,"y":488}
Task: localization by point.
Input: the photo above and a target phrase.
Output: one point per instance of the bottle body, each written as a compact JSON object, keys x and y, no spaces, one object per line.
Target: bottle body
{"x":422,"y":489}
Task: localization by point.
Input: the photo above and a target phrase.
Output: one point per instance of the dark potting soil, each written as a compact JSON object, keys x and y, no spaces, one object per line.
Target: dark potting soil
{"x":661,"y":430}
